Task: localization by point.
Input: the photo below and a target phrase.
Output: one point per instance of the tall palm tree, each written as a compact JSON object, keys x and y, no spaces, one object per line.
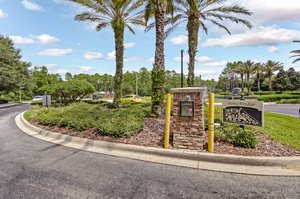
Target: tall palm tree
{"x":297,"y":53}
{"x":119,"y":15}
{"x":196,"y":13}
{"x":270,"y":67}
{"x":259,"y":71}
{"x":159,"y":10}
{"x":249,"y":68}
{"x":239,"y":69}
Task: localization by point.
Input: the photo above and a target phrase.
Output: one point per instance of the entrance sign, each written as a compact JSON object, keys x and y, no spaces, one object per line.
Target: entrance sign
{"x":187,"y":109}
{"x":243,"y":112}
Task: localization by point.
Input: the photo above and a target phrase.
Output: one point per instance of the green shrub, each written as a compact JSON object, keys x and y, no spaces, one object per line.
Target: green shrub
{"x":267,"y":92}
{"x":289,"y":101}
{"x":245,"y":138}
{"x":82,"y":116}
{"x":239,"y":136}
{"x":277,"y":97}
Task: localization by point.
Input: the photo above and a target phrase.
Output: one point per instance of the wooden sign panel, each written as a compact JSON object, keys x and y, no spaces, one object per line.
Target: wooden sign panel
{"x":243,"y":112}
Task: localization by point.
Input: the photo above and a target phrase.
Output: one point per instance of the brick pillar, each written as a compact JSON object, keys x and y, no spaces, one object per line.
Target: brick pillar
{"x":188,"y":131}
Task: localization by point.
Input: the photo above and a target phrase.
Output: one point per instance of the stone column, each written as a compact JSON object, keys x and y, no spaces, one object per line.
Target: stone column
{"x":188,"y":130}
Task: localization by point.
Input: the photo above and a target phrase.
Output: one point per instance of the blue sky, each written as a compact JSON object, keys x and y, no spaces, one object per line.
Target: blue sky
{"x":46,"y":32}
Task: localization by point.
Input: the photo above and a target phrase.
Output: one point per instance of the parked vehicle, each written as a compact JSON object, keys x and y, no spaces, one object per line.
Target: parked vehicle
{"x":37,"y":98}
{"x":131,"y":99}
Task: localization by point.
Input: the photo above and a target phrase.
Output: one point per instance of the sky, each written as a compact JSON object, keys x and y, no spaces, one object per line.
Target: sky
{"x":47,"y":34}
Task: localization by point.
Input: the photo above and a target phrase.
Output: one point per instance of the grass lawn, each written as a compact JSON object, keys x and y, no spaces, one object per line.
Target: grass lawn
{"x":285,"y":129}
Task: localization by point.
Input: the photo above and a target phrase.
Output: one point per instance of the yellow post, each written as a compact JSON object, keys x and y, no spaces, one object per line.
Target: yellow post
{"x":211,"y":123}
{"x":167,"y":125}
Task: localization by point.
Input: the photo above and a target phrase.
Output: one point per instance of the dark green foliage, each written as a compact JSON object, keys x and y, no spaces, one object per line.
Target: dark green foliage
{"x":81,"y":116}
{"x":239,"y":136}
{"x":277,"y":97}
{"x":14,"y":72}
{"x":72,"y":90}
{"x":267,"y":92}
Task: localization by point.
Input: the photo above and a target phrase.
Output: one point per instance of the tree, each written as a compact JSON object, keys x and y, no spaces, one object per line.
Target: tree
{"x":14,"y":73}
{"x":158,"y":9}
{"x":297,"y":54}
{"x":258,"y":71}
{"x":270,"y":67}
{"x":294,"y":79}
{"x":282,"y":81}
{"x":119,"y":14}
{"x":240,"y":70}
{"x":68,"y":76}
{"x":250,"y":68}
{"x":196,"y":13}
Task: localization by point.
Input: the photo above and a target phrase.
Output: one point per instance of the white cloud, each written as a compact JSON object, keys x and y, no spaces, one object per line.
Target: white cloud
{"x":150,"y":60}
{"x":47,"y":39}
{"x":205,"y":59}
{"x":207,"y":74}
{"x":180,"y":40}
{"x":2,"y":14}
{"x":265,"y":11}
{"x":19,"y":40}
{"x":272,"y":49}
{"x":32,"y":6}
{"x":83,"y":69}
{"x":129,"y":45}
{"x":93,"y":55}
{"x":255,"y":37}
{"x":111,"y":55}
{"x":132,"y":59}
{"x":55,"y":52}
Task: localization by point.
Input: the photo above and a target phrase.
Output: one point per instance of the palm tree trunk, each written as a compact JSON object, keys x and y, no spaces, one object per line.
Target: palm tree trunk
{"x":158,"y":72}
{"x":193,"y":28}
{"x":242,"y":77}
{"x":119,"y":47}
{"x":270,"y":82}
{"x":248,"y":83}
{"x":258,"y":82}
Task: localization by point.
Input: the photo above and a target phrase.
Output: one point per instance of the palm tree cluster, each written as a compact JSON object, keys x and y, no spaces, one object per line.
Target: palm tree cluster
{"x":122,"y":14}
{"x":245,"y":70}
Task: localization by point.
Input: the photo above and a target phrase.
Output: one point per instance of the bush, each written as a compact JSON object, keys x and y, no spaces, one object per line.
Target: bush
{"x":72,"y":90}
{"x":3,"y":100}
{"x":289,"y":101}
{"x":277,"y":97}
{"x":81,"y":116}
{"x":239,"y":136}
{"x":267,"y":92}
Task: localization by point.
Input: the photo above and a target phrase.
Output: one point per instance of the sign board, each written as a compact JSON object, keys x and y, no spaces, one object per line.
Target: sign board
{"x":46,"y":100}
{"x":187,"y":109}
{"x":243,"y":112}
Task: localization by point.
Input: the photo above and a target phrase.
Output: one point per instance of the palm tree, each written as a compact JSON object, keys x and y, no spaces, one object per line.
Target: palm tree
{"x":196,"y":13}
{"x":297,"y":54}
{"x":119,"y":15}
{"x":159,"y":10}
{"x":249,"y":68}
{"x":270,"y":67}
{"x":239,"y":69}
{"x":259,"y":71}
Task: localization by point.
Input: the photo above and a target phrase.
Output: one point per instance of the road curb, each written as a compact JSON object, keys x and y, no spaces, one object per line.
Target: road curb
{"x":216,"y":162}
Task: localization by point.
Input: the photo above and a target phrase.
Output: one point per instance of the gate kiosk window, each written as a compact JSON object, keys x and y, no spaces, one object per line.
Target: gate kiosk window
{"x":187,"y":109}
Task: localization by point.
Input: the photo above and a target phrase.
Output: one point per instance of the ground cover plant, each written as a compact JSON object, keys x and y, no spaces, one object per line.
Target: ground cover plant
{"x":282,"y":128}
{"x":116,"y":122}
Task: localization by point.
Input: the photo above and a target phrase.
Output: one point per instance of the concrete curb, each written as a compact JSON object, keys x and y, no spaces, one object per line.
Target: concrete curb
{"x":10,"y":105}
{"x":215,"y":162}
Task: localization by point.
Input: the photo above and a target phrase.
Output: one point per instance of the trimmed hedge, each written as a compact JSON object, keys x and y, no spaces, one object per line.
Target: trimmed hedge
{"x":81,"y":116}
{"x":277,"y":97}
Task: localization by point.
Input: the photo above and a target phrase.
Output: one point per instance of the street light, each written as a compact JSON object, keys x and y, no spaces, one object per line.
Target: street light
{"x":182,"y":68}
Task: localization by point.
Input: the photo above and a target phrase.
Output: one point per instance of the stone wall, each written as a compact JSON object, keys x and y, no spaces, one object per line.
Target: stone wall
{"x":188,"y":131}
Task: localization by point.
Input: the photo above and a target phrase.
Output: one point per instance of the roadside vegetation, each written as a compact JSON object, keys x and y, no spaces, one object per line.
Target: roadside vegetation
{"x":282,"y":128}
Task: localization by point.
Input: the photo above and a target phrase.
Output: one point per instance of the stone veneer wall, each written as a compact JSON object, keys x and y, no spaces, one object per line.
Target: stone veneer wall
{"x":188,"y":131}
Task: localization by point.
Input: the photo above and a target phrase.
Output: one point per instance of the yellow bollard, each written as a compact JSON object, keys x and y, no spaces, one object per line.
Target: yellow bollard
{"x":211,"y":123}
{"x":167,"y":125}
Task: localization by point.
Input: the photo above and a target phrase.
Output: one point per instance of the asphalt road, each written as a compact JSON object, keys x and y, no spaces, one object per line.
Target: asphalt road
{"x":30,"y":168}
{"x":288,"y":109}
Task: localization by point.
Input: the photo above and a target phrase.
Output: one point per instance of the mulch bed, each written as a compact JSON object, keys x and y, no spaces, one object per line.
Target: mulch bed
{"x":153,"y":135}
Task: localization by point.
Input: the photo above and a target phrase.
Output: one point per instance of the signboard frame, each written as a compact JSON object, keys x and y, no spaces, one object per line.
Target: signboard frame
{"x":243,"y":112}
{"x":191,"y":103}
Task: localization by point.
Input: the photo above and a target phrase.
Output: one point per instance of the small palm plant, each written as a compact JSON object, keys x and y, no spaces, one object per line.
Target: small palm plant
{"x":119,"y":15}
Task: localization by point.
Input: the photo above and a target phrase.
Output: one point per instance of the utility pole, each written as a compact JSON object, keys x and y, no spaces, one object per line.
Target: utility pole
{"x":181,"y":68}
{"x":200,"y":80}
